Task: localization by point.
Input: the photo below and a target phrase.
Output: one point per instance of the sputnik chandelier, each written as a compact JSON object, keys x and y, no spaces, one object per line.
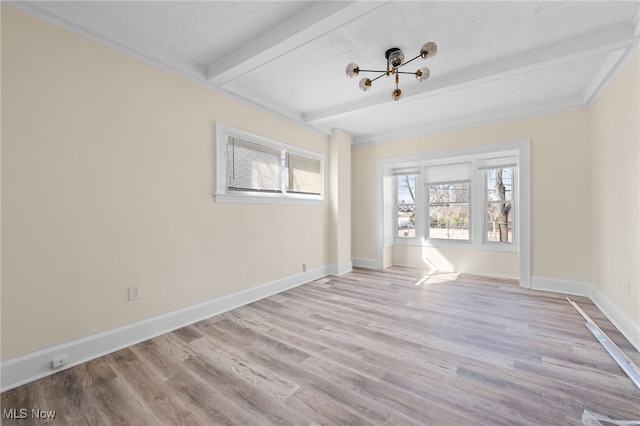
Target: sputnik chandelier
{"x":395,"y":60}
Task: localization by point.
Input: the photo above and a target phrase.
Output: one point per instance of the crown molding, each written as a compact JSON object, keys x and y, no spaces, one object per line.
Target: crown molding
{"x":68,"y":15}
{"x":508,"y":113}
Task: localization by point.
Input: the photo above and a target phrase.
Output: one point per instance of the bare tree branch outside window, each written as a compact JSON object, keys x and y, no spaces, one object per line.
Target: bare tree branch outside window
{"x":406,"y":206}
{"x":499,"y":204}
{"x":449,"y":210}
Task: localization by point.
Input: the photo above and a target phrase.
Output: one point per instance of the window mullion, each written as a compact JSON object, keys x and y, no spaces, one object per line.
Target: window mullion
{"x":420,"y":208}
{"x":478,"y":209}
{"x":283,"y":171}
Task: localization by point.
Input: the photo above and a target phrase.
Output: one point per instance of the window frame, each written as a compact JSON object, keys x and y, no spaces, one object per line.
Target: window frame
{"x":477,"y":202}
{"x":519,"y":149}
{"x":224,"y":195}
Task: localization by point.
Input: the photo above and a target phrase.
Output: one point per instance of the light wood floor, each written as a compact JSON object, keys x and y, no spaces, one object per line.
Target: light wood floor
{"x":397,"y":347}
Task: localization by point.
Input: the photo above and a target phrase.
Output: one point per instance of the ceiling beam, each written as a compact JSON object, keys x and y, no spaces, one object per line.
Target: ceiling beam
{"x":305,"y":27}
{"x":604,"y":74}
{"x":573,"y":50}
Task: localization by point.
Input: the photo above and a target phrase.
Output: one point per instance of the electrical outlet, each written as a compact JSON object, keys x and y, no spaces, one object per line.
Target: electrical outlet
{"x":134,"y":293}
{"x":59,"y":361}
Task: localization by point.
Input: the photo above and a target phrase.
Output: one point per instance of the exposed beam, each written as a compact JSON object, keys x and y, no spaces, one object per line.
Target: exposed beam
{"x":305,"y":27}
{"x":596,"y":44}
{"x":604,"y":74}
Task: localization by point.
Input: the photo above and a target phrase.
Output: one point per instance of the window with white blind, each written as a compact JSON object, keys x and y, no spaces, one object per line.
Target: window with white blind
{"x":302,"y":174}
{"x":470,"y":200}
{"x":449,"y":189}
{"x":255,"y":169}
{"x":252,"y":166}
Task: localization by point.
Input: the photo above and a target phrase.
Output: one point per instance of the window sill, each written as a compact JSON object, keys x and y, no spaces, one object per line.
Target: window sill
{"x":457,"y":244}
{"x":240,"y":198}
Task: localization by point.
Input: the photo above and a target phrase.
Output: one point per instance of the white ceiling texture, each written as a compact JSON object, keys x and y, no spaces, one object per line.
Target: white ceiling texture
{"x":495,"y":60}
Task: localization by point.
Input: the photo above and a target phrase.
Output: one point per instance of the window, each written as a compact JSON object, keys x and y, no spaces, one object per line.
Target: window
{"x":452,"y":177}
{"x":449,"y":210}
{"x":499,"y":204}
{"x":303,"y":174}
{"x":405,"y":204}
{"x":252,"y":166}
{"x":449,"y":196}
{"x":254,"y":169}
{"x":467,"y":199}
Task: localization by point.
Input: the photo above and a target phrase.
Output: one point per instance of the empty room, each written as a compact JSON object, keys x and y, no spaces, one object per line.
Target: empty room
{"x":320,"y":212}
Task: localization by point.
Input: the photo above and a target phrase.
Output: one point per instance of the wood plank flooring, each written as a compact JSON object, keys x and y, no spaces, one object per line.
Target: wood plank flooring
{"x":393,"y":347}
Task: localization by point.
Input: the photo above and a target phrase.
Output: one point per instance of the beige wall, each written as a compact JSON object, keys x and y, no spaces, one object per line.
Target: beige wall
{"x":615,"y":145}
{"x":107,"y":182}
{"x":560,"y":198}
{"x":447,"y":259}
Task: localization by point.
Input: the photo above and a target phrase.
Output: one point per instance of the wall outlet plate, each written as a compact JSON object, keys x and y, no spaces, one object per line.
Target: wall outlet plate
{"x":59,"y":361}
{"x":134,"y":293}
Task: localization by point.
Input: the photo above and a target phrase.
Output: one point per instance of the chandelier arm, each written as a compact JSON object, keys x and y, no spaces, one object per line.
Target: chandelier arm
{"x":372,"y":71}
{"x":405,"y":72}
{"x":410,"y":60}
{"x":381,"y":75}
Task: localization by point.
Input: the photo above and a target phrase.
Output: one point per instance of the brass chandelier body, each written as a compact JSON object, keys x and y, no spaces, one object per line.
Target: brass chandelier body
{"x":395,"y":60}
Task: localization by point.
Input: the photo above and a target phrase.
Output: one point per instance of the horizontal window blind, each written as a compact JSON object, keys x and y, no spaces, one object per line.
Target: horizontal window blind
{"x":252,"y":166}
{"x":406,"y":171}
{"x":303,"y":174}
{"x":448,"y":173}
{"x":497,"y":163}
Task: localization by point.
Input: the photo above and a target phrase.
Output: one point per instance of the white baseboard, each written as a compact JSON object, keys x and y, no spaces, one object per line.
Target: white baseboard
{"x":622,"y":322}
{"x":618,"y":318}
{"x":27,"y":368}
{"x":342,"y":269}
{"x":365,"y":263}
{"x":576,"y":288}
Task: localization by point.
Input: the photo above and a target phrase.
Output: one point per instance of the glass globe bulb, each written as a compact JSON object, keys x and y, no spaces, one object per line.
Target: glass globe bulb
{"x":396,"y":58}
{"x":428,"y":50}
{"x":352,"y":70}
{"x":365,"y":84}
{"x":422,"y":74}
{"x":396,"y":95}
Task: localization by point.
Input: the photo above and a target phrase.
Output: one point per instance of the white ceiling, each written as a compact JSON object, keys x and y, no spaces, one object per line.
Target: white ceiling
{"x":495,"y":60}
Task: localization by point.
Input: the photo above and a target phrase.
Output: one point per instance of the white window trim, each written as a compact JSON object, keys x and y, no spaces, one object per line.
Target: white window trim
{"x":222,"y":195}
{"x":522,"y":219}
{"x":478,"y":199}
